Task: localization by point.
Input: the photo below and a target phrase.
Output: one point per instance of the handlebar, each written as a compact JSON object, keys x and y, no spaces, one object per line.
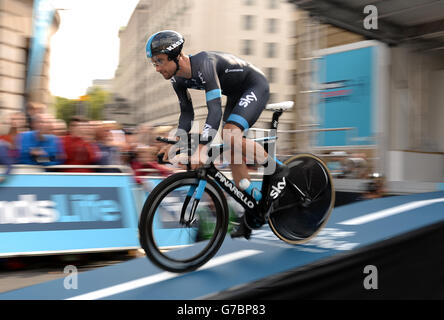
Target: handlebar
{"x":190,"y":147}
{"x":165,"y":140}
{"x":160,"y":155}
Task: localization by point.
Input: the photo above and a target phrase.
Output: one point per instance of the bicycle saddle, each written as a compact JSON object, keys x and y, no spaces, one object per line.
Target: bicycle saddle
{"x":286,"y":105}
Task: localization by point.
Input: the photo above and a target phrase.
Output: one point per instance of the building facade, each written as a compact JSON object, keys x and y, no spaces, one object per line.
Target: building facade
{"x":272,"y":34}
{"x":15,"y":40}
{"x":259,"y":31}
{"x":104,"y":84}
{"x":129,"y":83}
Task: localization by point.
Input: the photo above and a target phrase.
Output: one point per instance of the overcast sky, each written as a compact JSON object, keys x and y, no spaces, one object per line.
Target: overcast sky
{"x":86,"y":46}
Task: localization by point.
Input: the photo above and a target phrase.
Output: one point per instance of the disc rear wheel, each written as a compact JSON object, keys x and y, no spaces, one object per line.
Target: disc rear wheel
{"x":308,"y":200}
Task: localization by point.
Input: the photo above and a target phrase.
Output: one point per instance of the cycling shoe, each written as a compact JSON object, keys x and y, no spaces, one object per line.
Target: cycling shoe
{"x":242,"y":230}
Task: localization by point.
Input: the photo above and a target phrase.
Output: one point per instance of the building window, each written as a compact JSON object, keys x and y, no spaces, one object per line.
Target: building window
{"x":292,"y":29}
{"x":293,"y":52}
{"x":272,"y":25}
{"x":247,"y":22}
{"x":247,"y":47}
{"x":271,"y":50}
{"x":273,"y":4}
{"x":293,"y":77}
{"x":291,"y":97}
{"x":271,"y":74}
{"x":273,"y":98}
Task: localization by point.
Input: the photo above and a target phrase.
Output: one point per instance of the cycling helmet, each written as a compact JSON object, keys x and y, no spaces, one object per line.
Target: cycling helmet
{"x":167,"y":41}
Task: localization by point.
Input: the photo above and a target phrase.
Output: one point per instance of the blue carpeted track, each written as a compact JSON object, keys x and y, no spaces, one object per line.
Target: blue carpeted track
{"x":240,"y":262}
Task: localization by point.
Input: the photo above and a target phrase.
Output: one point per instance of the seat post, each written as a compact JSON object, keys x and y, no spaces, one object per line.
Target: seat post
{"x":274,"y":125}
{"x":275,"y":119}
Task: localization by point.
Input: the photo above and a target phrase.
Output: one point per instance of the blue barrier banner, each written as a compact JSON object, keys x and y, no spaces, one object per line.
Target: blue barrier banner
{"x":43,"y":14}
{"x":61,"y":213}
{"x":346,"y":82}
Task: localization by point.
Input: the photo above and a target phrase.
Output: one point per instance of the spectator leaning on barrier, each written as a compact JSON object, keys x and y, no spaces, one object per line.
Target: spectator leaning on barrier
{"x":51,"y":129}
{"x":32,"y":109}
{"x":16,"y":123}
{"x":145,"y":135}
{"x":117,"y":134}
{"x":77,"y":149}
{"x":129,"y":148}
{"x":146,"y":158}
{"x":88,"y":131}
{"x":60,"y":128}
{"x":109,"y":152}
{"x":375,"y":188}
{"x":38,"y":147}
{"x":5,"y":160}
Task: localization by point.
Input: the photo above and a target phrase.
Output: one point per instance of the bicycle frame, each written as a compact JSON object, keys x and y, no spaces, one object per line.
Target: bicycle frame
{"x":211,"y":186}
{"x":243,"y":198}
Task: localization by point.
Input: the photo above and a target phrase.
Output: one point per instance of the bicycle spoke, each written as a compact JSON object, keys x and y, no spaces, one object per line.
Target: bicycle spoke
{"x":322,"y":189}
{"x":310,"y":178}
{"x":321,"y":192}
{"x":300,"y":167}
{"x":295,"y":187}
{"x":306,"y":179}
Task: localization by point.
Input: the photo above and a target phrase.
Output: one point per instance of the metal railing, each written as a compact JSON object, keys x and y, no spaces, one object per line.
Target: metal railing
{"x":254,"y":174}
{"x":60,"y":169}
{"x":304,"y":130}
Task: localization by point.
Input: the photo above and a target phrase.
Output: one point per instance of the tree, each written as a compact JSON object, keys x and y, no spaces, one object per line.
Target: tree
{"x":97,"y":99}
{"x":65,"y":108}
{"x":90,"y":105}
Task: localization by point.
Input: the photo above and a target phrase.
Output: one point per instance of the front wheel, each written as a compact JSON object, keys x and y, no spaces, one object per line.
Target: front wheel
{"x":178,"y":233}
{"x":308,"y":200}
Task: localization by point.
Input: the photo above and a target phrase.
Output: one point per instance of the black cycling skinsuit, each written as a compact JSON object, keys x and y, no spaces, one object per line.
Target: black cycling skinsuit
{"x":218,"y":73}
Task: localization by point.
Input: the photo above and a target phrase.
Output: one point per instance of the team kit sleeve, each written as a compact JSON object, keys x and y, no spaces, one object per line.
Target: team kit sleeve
{"x":186,"y":108}
{"x":213,"y":94}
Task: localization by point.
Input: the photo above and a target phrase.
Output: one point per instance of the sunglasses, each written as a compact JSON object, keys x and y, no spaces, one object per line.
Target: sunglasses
{"x":156,"y":62}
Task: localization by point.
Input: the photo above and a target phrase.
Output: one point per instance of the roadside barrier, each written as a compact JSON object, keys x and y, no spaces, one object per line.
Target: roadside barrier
{"x":45,"y":211}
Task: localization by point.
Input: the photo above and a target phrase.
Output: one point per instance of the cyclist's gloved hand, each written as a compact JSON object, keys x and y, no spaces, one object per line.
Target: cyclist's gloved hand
{"x":163,"y":153}
{"x":171,"y":154}
{"x":180,"y":160}
{"x":160,"y":158}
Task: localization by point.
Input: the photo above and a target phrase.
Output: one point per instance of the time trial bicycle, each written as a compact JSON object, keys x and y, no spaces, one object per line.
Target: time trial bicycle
{"x":185,"y":218}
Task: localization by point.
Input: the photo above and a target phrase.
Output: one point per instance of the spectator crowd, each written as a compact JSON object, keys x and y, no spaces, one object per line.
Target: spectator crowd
{"x":40,"y":139}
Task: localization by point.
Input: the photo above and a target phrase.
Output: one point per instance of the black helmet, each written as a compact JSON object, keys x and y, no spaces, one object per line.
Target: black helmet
{"x":167,"y":41}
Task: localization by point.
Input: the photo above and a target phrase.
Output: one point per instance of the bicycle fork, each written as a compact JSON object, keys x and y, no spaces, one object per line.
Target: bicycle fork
{"x":200,"y":190}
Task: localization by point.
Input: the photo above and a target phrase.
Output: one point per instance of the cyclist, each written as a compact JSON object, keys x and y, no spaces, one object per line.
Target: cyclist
{"x":247,"y":92}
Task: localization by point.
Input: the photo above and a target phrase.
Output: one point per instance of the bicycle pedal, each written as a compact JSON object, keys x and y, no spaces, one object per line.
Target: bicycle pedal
{"x":253,"y":221}
{"x":241,"y":231}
